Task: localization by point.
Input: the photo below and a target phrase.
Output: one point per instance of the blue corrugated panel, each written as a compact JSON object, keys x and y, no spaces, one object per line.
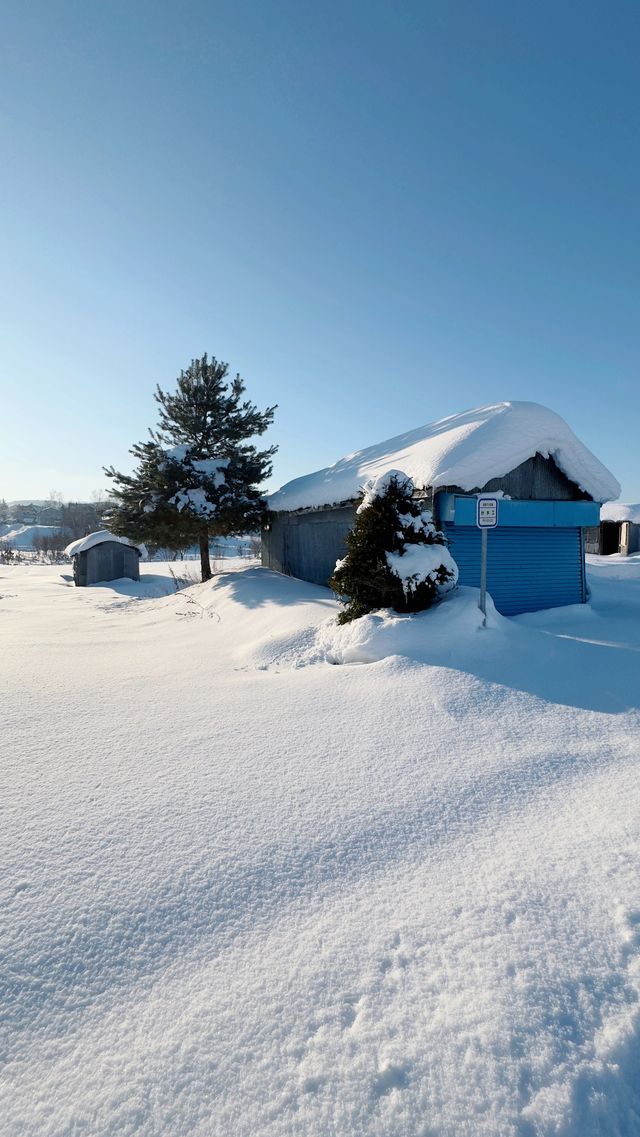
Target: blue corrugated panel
{"x":527,"y":568}
{"x":562,"y":514}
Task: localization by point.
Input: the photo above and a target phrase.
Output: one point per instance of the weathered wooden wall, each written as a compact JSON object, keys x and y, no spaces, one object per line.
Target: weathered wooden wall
{"x":592,"y":539}
{"x":537,"y":479}
{"x":307,"y":545}
{"x":109,"y":561}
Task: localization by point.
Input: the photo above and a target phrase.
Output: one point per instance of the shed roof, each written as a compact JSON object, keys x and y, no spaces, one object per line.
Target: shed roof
{"x":99,"y":538}
{"x":465,"y":450}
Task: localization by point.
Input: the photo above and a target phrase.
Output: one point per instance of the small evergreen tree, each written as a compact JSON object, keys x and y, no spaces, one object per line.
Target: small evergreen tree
{"x":396,"y":558}
{"x":198,"y":475}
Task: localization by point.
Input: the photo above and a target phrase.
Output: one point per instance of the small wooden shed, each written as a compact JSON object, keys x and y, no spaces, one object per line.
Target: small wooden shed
{"x":102,"y":556}
{"x":549,"y":484}
{"x":618,"y":531}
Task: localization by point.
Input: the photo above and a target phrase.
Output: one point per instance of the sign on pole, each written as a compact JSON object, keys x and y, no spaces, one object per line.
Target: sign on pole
{"x":487,"y":515}
{"x":486,"y":518}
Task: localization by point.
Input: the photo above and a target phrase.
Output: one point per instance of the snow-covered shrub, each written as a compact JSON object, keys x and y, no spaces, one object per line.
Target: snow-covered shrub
{"x":396,"y":558}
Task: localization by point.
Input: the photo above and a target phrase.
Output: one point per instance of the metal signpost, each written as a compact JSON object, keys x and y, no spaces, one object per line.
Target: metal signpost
{"x":486,"y":518}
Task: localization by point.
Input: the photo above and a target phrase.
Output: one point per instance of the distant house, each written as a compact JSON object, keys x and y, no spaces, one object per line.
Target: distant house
{"x":50,"y":515}
{"x":549,"y":486}
{"x":25,"y":514}
{"x":101,"y":557}
{"x":618,"y":531}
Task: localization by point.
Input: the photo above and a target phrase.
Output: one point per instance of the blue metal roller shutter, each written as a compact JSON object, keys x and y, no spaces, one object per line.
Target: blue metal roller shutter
{"x":527,"y":568}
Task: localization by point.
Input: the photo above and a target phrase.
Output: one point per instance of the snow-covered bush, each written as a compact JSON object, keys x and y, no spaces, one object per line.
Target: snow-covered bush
{"x":396,"y":558}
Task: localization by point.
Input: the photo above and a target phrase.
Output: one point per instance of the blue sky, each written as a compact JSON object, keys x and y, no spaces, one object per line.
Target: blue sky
{"x":378,"y":213}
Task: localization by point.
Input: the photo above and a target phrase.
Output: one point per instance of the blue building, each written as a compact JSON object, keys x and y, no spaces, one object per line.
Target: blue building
{"x":548,"y":484}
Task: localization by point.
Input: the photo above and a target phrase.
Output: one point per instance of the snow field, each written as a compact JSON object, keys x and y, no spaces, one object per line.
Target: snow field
{"x":251,"y":892}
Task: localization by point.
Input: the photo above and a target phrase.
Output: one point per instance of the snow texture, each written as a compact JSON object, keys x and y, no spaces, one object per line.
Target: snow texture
{"x":176,"y":453}
{"x":25,"y":536}
{"x":209,"y":467}
{"x":264,"y":876}
{"x":465,"y":450}
{"x":620,"y":511}
{"x":99,"y":538}
{"x":195,"y":501}
{"x":378,"y":487}
{"x":419,"y":563}
{"x":212,"y":468}
{"x":212,"y":474}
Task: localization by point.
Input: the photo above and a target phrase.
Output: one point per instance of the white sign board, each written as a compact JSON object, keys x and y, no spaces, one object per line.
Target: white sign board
{"x":487,"y":513}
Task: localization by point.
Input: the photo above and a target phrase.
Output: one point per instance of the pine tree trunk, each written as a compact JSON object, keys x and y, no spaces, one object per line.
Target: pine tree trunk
{"x":205,"y":563}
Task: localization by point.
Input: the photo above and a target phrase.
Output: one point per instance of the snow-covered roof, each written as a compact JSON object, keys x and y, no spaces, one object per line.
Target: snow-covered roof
{"x":465,"y":450}
{"x":620,"y":511}
{"x":99,"y":538}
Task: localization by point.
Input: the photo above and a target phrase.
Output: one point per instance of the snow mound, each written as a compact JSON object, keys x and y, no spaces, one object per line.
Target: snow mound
{"x":465,"y":450}
{"x":99,"y":538}
{"x":422,"y":637}
{"x":576,"y":655}
{"x":620,"y":511}
{"x":438,"y":634}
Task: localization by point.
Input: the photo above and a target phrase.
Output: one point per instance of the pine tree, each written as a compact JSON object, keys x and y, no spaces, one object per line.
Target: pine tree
{"x":198,"y":474}
{"x":396,"y":558}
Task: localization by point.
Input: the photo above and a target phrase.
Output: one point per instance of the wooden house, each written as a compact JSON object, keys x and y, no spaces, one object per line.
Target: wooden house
{"x":549,"y":486}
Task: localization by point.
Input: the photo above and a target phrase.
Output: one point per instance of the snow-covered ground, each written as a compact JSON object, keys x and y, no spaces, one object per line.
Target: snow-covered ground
{"x":265,"y":876}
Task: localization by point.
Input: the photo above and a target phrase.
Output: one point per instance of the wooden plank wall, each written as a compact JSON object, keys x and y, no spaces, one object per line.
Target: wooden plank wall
{"x":109,"y":561}
{"x":307,"y":545}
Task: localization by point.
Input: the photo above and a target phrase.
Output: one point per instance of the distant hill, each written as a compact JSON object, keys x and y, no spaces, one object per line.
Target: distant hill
{"x":23,"y":536}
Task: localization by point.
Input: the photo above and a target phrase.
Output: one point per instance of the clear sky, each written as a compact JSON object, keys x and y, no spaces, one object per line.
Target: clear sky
{"x":379,"y":213}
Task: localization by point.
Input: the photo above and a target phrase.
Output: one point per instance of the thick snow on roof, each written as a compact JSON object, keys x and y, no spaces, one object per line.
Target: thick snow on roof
{"x":621,"y":511}
{"x":99,"y":538}
{"x":465,"y":450}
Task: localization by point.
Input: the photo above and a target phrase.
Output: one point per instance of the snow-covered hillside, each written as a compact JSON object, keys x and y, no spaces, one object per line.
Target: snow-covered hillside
{"x":24,"y":536}
{"x":264,"y":876}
